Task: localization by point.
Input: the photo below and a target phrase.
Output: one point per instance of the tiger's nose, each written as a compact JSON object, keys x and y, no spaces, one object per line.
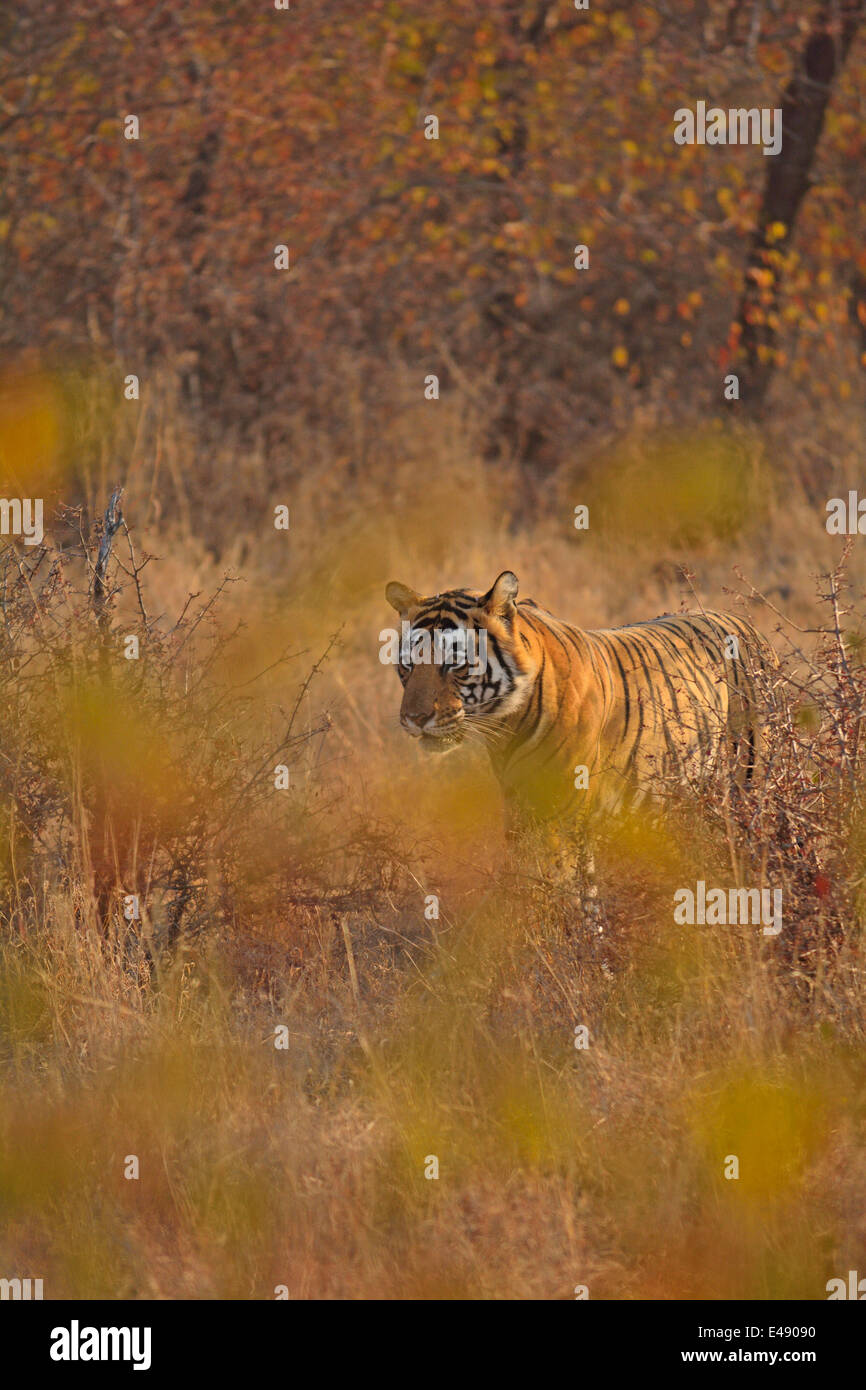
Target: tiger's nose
{"x":416,"y":723}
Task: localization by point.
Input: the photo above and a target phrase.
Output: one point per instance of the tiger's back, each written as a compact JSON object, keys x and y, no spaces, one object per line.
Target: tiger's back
{"x":636,"y":707}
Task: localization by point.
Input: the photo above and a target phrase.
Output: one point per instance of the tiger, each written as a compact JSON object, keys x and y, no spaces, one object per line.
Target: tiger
{"x":577,"y":721}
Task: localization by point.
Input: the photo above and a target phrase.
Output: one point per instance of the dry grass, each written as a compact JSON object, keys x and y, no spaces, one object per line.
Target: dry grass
{"x":409,"y":1037}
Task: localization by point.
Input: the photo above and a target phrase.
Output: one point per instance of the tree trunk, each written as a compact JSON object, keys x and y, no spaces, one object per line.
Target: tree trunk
{"x":804,"y":105}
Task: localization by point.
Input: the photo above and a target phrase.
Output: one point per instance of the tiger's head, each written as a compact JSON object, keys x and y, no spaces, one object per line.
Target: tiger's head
{"x":459,"y":660}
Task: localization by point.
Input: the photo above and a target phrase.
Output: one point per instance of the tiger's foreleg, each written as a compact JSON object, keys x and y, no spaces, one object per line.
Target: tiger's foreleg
{"x":564,"y":851}
{"x":573,"y":858}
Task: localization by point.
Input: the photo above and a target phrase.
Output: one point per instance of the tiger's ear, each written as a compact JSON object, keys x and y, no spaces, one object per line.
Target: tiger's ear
{"x":499,"y":601}
{"x":401,"y":597}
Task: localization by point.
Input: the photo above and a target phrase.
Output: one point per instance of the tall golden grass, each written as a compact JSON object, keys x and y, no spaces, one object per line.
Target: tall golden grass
{"x":304,"y":915}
